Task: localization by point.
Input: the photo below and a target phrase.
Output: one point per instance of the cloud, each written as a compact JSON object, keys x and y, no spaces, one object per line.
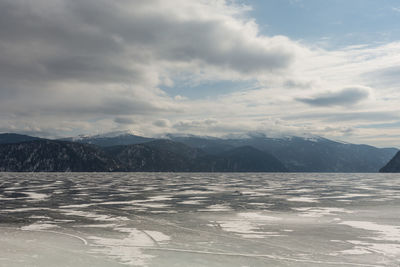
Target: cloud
{"x":108,"y":41}
{"x":92,"y":66}
{"x":97,"y":59}
{"x":346,"y":97}
{"x":396,"y":9}
{"x":195,"y":124}
{"x":291,"y":83}
{"x":340,"y":117}
{"x":124,"y":120}
{"x":161,"y":123}
{"x":384,"y":76}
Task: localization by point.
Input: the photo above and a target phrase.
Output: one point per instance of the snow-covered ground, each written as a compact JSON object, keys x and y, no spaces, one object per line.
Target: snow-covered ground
{"x":188,"y":219}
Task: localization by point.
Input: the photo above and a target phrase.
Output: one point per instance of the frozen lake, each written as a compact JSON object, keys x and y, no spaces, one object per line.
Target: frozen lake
{"x":199,"y":219}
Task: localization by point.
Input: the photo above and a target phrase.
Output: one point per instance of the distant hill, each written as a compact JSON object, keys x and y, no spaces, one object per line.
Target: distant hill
{"x":393,"y":165}
{"x":12,"y":138}
{"x":54,"y":156}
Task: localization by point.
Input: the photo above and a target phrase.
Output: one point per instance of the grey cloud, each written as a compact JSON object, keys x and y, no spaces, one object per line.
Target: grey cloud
{"x":345,"y":97}
{"x":207,"y":40}
{"x":43,"y":40}
{"x":212,"y":126}
{"x":126,"y":106}
{"x":113,"y":106}
{"x":88,"y":103}
{"x":341,"y":130}
{"x":297,"y":84}
{"x":161,"y":123}
{"x":194,"y":124}
{"x":346,"y":116}
{"x":51,"y":52}
{"x":387,"y":77}
{"x":99,"y":40}
{"x":99,"y":46}
{"x":388,"y":125}
{"x":124,"y":120}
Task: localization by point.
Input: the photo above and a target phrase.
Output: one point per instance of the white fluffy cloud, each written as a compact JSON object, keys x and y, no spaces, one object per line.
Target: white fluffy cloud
{"x":94,"y":59}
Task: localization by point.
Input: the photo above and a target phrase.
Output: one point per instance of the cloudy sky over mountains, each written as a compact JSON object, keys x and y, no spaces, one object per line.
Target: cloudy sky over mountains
{"x":207,"y":67}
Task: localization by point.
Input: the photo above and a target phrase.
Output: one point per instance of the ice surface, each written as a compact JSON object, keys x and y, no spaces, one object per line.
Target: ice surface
{"x":188,"y":219}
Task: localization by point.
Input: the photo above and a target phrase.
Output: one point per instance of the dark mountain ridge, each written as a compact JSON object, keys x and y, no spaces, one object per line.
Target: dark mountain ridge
{"x":12,"y":138}
{"x":154,"y":156}
{"x":306,"y":154}
{"x":108,"y":141}
{"x":393,"y":165}
{"x":157,"y":156}
{"x":166,"y":155}
{"x":242,"y":159}
{"x":54,"y":156}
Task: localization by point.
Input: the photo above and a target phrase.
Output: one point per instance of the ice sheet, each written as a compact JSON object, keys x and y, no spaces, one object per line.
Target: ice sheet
{"x":189,"y":219}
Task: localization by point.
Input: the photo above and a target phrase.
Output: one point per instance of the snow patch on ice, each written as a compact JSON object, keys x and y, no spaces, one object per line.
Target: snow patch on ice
{"x":160,"y":198}
{"x":303,"y":199}
{"x":255,"y":216}
{"x":217,"y":207}
{"x":109,"y":225}
{"x":191,"y":202}
{"x":38,"y":226}
{"x":320,"y":212}
{"x":36,"y":196}
{"x":248,"y":225}
{"x":129,"y":250}
{"x":245,"y":229}
{"x":77,"y":206}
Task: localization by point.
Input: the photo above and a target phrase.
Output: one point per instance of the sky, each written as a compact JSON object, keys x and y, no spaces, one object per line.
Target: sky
{"x":205,"y":67}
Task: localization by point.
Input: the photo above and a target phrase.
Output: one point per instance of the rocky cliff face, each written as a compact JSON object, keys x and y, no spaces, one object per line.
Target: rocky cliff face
{"x":53,"y":156}
{"x":393,"y":165}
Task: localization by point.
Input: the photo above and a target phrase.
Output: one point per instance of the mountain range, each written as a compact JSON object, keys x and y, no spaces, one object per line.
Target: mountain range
{"x":305,"y":154}
{"x":174,"y":153}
